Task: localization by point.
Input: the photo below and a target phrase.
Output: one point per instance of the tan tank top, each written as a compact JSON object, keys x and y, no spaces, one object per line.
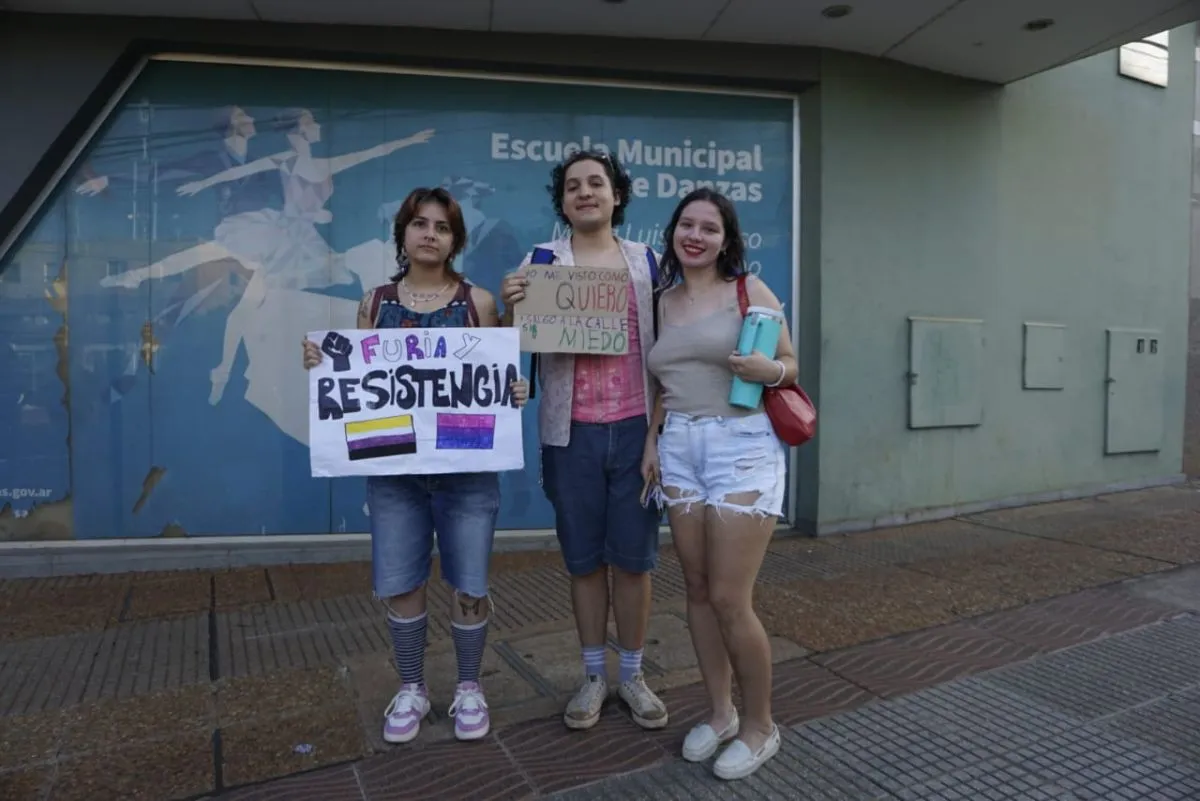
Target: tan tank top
{"x":691,"y":363}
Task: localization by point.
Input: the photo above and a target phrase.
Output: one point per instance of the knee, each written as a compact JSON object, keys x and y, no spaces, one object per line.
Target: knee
{"x":408,"y":605}
{"x":728,"y":606}
{"x":697,"y":589}
{"x":472,"y":606}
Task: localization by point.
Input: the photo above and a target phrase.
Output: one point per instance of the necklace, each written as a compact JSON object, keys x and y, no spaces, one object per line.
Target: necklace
{"x":423,"y":297}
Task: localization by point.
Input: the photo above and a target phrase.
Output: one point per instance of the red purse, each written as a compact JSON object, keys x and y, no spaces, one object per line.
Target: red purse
{"x":789,"y":408}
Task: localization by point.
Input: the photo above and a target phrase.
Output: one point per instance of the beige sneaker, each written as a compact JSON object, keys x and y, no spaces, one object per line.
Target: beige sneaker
{"x":583,"y":711}
{"x":648,"y":711}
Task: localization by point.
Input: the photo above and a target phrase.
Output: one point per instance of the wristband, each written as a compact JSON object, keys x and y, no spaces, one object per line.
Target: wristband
{"x":782,"y":374}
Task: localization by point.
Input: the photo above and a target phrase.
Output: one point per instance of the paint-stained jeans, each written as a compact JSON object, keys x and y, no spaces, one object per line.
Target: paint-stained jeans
{"x":406,"y":511}
{"x":710,"y":459}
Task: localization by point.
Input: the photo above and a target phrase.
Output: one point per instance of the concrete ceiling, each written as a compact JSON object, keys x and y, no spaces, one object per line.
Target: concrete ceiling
{"x":983,"y":39}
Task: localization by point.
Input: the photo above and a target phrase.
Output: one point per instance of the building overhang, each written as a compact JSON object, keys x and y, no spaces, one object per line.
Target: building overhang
{"x":986,"y":40}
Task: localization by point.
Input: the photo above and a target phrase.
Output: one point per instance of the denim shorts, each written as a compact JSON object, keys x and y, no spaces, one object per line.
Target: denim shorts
{"x":406,"y":511}
{"x":711,"y":458}
{"x":594,"y":484}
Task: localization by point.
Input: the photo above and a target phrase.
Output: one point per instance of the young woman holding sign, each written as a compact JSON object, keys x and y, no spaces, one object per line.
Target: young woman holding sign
{"x":406,"y":510}
{"x":722,"y":468}
{"x":593,"y":422}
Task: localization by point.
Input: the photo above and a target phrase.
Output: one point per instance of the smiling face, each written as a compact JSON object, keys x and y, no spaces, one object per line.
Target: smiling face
{"x":588,"y":199}
{"x":699,"y":235}
{"x":428,"y":237}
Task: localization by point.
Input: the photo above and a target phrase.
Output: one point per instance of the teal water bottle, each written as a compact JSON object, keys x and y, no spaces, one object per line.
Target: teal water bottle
{"x":760,"y":332}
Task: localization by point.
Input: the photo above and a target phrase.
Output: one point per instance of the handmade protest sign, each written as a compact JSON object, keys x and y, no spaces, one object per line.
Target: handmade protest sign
{"x":402,"y":401}
{"x":574,"y":310}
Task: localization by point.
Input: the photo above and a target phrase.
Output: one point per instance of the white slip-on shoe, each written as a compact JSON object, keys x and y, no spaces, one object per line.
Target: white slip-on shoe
{"x":703,"y":741}
{"x":738,"y":761}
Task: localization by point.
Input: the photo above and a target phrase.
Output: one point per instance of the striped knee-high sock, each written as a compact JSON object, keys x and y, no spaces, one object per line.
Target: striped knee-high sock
{"x":408,"y":647}
{"x":469,"y":642}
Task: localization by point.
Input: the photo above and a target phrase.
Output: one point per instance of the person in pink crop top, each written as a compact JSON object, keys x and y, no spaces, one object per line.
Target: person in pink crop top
{"x":593,"y":421}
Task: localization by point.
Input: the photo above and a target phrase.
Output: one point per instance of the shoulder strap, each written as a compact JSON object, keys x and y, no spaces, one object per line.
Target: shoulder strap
{"x":377,"y":298}
{"x":743,"y":295}
{"x":540,"y":256}
{"x":655,"y":290}
{"x":472,"y":312}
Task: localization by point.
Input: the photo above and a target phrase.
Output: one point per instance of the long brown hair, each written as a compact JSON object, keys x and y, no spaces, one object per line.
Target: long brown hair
{"x":408,"y":210}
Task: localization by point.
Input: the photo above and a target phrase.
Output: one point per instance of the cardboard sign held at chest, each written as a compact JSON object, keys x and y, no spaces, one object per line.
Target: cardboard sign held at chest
{"x":575,"y":310}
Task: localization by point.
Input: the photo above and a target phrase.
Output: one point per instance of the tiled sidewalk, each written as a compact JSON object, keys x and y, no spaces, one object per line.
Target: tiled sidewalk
{"x":184,"y":685}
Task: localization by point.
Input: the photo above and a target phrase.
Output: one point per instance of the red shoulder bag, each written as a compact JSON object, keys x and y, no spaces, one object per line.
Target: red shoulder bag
{"x":789,"y":408}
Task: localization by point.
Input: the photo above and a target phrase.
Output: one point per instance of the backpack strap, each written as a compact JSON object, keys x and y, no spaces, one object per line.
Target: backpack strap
{"x":540,"y":256}
{"x":743,"y":295}
{"x":655,"y":290}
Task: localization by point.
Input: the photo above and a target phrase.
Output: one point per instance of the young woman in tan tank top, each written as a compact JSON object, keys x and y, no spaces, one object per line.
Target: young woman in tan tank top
{"x":722,"y":471}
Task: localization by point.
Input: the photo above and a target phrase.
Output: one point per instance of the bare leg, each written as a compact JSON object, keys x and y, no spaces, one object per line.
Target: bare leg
{"x":631,"y":608}
{"x":737,"y":544}
{"x":688,"y":533}
{"x":589,"y":597}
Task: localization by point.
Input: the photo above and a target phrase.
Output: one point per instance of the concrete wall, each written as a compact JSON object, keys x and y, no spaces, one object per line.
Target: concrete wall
{"x":80,"y":60}
{"x":1062,"y":198}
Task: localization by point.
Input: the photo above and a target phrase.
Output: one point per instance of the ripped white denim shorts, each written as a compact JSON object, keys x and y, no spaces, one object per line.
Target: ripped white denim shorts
{"x":708,"y":459}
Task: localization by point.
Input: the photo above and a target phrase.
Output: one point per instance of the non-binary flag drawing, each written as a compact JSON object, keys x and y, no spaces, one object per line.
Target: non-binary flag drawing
{"x":385,"y":436}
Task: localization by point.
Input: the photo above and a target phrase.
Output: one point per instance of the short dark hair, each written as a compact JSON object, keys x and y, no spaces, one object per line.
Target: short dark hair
{"x":731,"y":262}
{"x":618,"y":178}
{"x":408,"y":210}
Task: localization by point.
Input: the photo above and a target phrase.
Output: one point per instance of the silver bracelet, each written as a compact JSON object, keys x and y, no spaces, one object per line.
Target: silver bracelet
{"x":782,"y":374}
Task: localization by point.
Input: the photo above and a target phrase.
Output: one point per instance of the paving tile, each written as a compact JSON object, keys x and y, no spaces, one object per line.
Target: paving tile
{"x":282,"y":636}
{"x":555,"y":758}
{"x":1073,"y":619}
{"x":803,"y":691}
{"x":829,"y":626}
{"x":1094,"y":764}
{"x":996,"y":780}
{"x":29,"y":739}
{"x":46,"y":673}
{"x":317,"y":582}
{"x":147,"y":656}
{"x":1028,"y":572}
{"x":279,"y":693}
{"x":435,"y":774}
{"x":889,"y":749}
{"x":529,"y":598}
{"x":1169,"y":724}
{"x":25,"y":785}
{"x":913,"y":543}
{"x":914,"y":661}
{"x":1113,"y":674}
{"x":188,"y":593}
{"x":279,"y":745}
{"x":177,"y":767}
{"x":59,"y":610}
{"x":983,"y":715}
{"x":110,"y":723}
{"x":1171,"y":536}
{"x":799,"y":558}
{"x":554,"y":657}
{"x":237,"y":588}
{"x":327,"y":784}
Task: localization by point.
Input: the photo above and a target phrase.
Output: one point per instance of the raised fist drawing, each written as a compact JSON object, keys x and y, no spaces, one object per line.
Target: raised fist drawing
{"x":338,"y":348}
